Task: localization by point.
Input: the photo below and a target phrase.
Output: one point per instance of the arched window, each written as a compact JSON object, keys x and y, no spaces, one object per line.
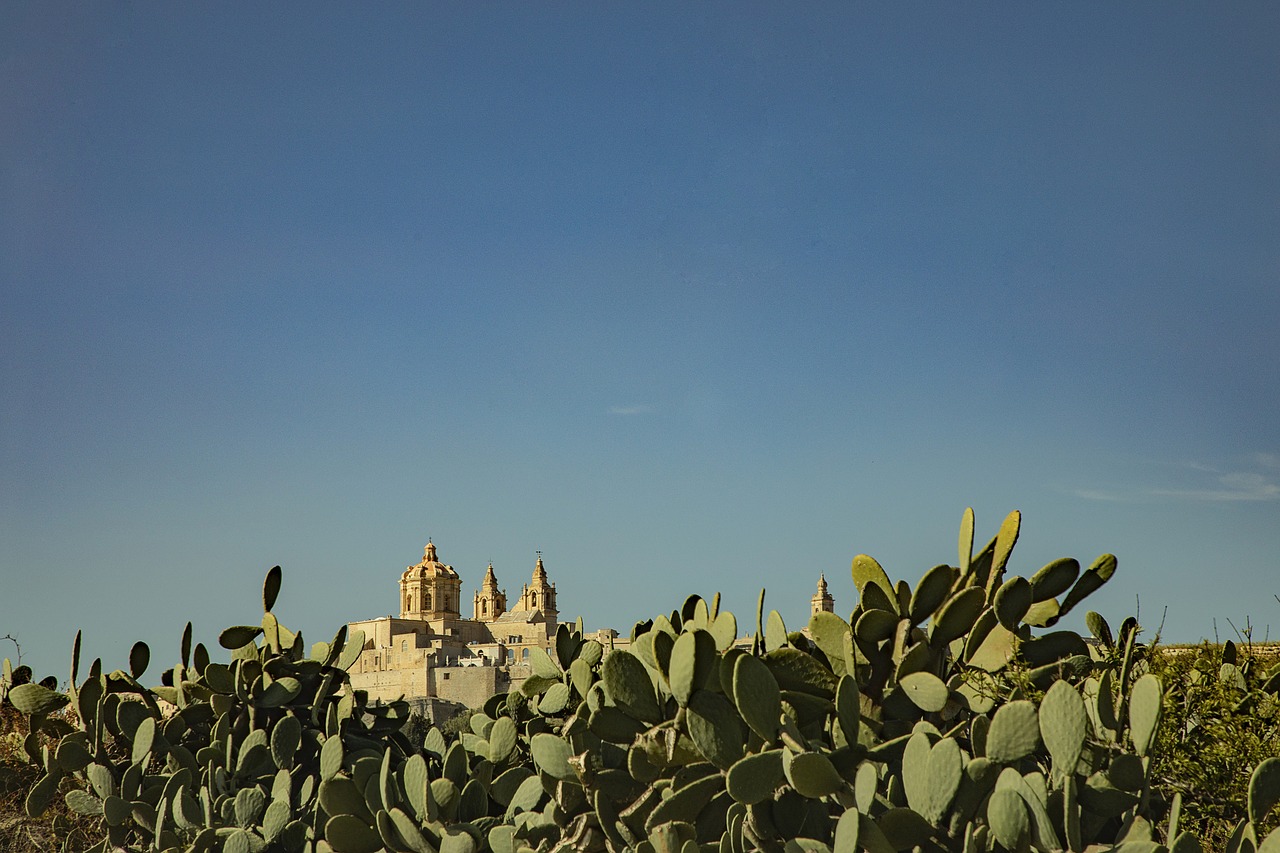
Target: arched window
{"x":533,"y":600}
{"x":524,"y":654}
{"x":484,"y":608}
{"x":404,"y":645}
{"x":426,"y":601}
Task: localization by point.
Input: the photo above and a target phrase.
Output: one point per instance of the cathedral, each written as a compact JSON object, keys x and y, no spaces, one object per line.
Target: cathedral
{"x":432,"y":651}
{"x":442,"y":661}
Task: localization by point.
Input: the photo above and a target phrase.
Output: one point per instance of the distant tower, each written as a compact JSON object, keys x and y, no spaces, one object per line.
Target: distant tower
{"x":490,"y":602}
{"x":539,"y":595}
{"x":430,"y":589}
{"x":822,"y":602}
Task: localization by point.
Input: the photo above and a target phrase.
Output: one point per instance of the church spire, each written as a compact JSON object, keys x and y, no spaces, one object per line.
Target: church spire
{"x":822,"y":602}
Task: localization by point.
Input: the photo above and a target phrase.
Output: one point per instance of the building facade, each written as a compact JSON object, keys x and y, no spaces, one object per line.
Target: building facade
{"x":431,"y":651}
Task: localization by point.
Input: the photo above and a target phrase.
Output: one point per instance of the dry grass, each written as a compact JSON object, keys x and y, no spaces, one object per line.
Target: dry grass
{"x":55,"y":830}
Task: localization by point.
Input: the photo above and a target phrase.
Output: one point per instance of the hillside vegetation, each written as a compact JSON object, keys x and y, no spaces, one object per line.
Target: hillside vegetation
{"x":954,"y":715}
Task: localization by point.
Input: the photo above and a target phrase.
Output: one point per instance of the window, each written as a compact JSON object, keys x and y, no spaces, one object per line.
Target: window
{"x":426,"y":601}
{"x":404,"y":645}
{"x":524,"y":654}
{"x":446,"y":676}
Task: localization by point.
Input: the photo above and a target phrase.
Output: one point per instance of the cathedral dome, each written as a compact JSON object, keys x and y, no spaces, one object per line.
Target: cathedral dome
{"x":430,"y":567}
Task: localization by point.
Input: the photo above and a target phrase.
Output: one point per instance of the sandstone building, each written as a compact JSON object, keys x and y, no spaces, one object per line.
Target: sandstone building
{"x":442,"y":661}
{"x":432,"y":654}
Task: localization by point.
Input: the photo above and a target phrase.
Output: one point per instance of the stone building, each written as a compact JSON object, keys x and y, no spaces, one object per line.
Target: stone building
{"x":822,"y":602}
{"x":432,"y":652}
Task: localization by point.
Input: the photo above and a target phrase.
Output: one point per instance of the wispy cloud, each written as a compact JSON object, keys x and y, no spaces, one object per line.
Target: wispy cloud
{"x":630,"y":410}
{"x":1236,"y":486}
{"x":1216,"y":485}
{"x":1098,"y":495}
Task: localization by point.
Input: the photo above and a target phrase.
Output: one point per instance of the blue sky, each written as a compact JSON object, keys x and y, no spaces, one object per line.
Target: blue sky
{"x":689,"y":298}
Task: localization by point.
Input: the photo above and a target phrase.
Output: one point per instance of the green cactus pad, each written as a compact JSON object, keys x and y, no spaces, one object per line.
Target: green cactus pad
{"x":409,"y":833}
{"x":286,"y":737}
{"x":139,"y":657}
{"x":775,"y":631}
{"x":1005,"y":540}
{"x":925,"y":690}
{"x":1264,"y":789}
{"x":249,"y":805}
{"x":502,"y":739}
{"x":42,"y":794}
{"x":83,"y":803}
{"x":693,"y":659}
{"x":1188,"y":843}
{"x":1089,"y":583}
{"x":1014,"y":732}
{"x":828,"y":632}
{"x":725,"y":630}
{"x":1064,"y":725}
{"x":930,"y":593}
{"x":581,"y":675}
{"x":554,"y":700}
{"x":797,"y":670}
{"x":1127,"y":773}
{"x":1054,"y":579}
{"x":875,"y":626}
{"x":143,"y":738}
{"x":754,"y":778}
{"x":626,"y":680}
{"x":686,"y":803}
{"x":280,"y":692}
{"x":813,"y":775}
{"x":1102,"y":798}
{"x":846,"y":833}
{"x":238,"y":636}
{"x":755,"y":691}
{"x":715,"y":728}
{"x":614,"y":726}
{"x":341,"y":796}
{"x":1146,"y":703}
{"x":351,"y":650}
{"x":116,"y":810}
{"x":349,"y":834}
{"x":996,"y":650}
{"x":1012,"y":601}
{"x":865,"y":783}
{"x":1053,"y":647}
{"x":32,"y":699}
{"x":931,"y":775}
{"x":867,"y":571}
{"x":1007,"y":816}
{"x":331,"y":757}
{"x":848,"y":708}
{"x":957,"y":615}
{"x":905,"y":829}
{"x":551,"y":755}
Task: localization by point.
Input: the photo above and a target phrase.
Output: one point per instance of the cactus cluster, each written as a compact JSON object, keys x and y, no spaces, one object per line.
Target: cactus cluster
{"x":942,"y":717}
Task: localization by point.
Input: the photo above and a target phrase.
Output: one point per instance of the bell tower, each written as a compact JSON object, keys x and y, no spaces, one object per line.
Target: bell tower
{"x":539,"y":594}
{"x":490,"y":602}
{"x":822,"y":602}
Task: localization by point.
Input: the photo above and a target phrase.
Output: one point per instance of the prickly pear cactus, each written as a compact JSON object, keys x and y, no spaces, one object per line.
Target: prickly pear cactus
{"x":948,"y":716}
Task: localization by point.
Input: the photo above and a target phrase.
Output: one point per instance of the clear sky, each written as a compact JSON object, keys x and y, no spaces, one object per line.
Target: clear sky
{"x":689,"y":297}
